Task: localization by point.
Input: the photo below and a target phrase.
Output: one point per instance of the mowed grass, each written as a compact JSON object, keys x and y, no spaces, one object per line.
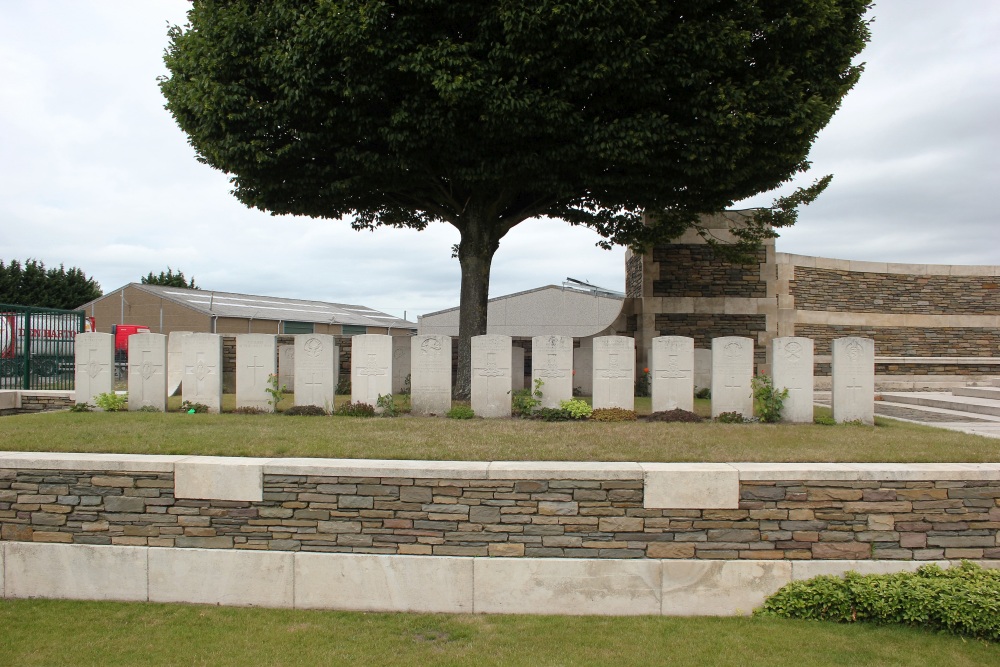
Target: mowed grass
{"x":430,"y":438}
{"x":60,"y":632}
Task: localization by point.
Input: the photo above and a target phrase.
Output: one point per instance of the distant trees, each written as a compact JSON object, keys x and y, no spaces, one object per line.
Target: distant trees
{"x":169,"y":279}
{"x":31,"y":284}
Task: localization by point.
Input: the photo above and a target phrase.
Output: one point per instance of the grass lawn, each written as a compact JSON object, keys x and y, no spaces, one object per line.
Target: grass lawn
{"x":409,"y":437}
{"x":60,"y":632}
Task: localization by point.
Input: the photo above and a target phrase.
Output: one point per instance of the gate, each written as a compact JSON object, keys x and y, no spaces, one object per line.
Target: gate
{"x":37,"y":346}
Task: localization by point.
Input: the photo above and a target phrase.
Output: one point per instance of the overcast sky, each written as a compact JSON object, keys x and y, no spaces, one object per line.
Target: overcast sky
{"x":94,"y":173}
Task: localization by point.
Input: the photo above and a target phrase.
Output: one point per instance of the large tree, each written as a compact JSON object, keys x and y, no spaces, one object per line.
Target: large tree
{"x":31,"y":284}
{"x":485,"y":113}
{"x":169,"y":279}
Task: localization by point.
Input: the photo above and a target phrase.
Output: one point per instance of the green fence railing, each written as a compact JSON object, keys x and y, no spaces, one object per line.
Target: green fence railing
{"x":37,"y":346}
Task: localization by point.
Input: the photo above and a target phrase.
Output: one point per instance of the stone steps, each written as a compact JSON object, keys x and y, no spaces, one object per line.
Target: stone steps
{"x":967,"y":404}
{"x":932,"y":416}
{"x":992,"y":393}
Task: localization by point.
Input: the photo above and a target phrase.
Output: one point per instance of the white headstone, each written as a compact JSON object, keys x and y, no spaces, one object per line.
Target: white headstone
{"x":672,"y":373}
{"x":430,"y":374}
{"x":175,"y":361}
{"x":316,"y":364}
{"x":583,"y":367}
{"x":95,"y":366}
{"x":854,"y":380}
{"x":286,"y":366}
{"x":614,"y":372}
{"x":202,"y":381}
{"x":552,"y":363}
{"x":516,"y":368}
{"x":732,"y":370}
{"x":371,"y":368}
{"x":401,"y":362}
{"x":792,"y":369}
{"x":702,"y":369}
{"x":256,"y":362}
{"x":147,"y":371}
{"x":491,"y":390}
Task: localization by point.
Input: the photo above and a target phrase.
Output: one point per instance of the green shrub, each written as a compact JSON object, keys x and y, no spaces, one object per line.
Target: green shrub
{"x":824,"y":420}
{"x":613,"y":415}
{"x":551,"y":415}
{"x":189,"y":407}
{"x":642,"y":383}
{"x":305,"y":411}
{"x":388,"y":405}
{"x":524,"y":401}
{"x":149,"y":408}
{"x":82,"y":407}
{"x":112,"y":402}
{"x":576,"y":408}
{"x":358,"y":409}
{"x":730,"y":418}
{"x":704,"y":392}
{"x":344,"y":386}
{"x":460,"y":412}
{"x":277,"y":392}
{"x":767,"y":400}
{"x":962,"y":600}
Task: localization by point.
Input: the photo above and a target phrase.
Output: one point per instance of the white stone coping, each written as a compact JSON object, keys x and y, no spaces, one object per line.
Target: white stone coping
{"x":915,"y":472}
{"x":378,"y":468}
{"x":89,"y":461}
{"x":443,"y":584}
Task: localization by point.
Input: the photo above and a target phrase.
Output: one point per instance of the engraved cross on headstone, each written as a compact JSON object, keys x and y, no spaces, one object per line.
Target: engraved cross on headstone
{"x":254,"y":369}
{"x":92,"y":366}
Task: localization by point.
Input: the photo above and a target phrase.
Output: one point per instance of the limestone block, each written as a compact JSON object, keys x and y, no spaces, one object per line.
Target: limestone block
{"x":583,"y":367}
{"x":853,"y":367}
{"x":256,"y":362}
{"x":10,"y":400}
{"x":702,"y":369}
{"x":316,"y":369}
{"x":383,"y":583}
{"x":807,"y":569}
{"x":672,"y":373}
{"x":73,"y":461}
{"x":378,"y":468}
{"x":552,"y":363}
{"x":401,"y":363}
{"x":95,"y":366}
{"x":691,"y":486}
{"x":75,"y":571}
{"x":371,"y":368}
{"x":516,"y":368}
{"x":175,"y":361}
{"x":567,"y":586}
{"x":732,"y":369}
{"x":720,"y":588}
{"x":147,"y":371}
{"x":614,"y":372}
{"x":222,"y":576}
{"x":219,"y":478}
{"x":792,"y":369}
{"x":564,"y":470}
{"x":914,"y":472}
{"x":286,"y":366}
{"x":430,"y":374}
{"x":202,"y":383}
{"x":491,"y":375}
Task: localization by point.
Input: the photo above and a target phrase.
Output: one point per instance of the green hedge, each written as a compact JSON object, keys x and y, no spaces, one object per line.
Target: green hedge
{"x":963,"y":600}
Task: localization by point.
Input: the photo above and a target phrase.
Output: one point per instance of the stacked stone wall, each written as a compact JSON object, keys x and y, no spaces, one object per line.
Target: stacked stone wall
{"x":689,"y":270}
{"x":910,"y":341}
{"x":540,"y":518}
{"x":703,"y":327}
{"x":633,"y":276}
{"x":865,"y":292}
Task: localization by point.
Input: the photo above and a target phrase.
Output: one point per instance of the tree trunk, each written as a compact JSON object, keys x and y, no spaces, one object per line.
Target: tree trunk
{"x":480,"y":240}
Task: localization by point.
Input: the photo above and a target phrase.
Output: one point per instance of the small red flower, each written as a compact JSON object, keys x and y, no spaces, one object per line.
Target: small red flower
{"x":645,"y":370}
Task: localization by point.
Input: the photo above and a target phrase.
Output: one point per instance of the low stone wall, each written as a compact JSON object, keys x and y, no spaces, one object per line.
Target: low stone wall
{"x":15,"y":402}
{"x":531,"y":537}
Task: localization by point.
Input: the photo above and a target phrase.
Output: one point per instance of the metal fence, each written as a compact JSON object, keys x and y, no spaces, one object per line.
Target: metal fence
{"x":37,"y":346}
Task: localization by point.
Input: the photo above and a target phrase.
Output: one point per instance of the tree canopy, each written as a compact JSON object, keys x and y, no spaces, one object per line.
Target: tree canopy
{"x":485,"y":114}
{"x":31,"y":284}
{"x":169,"y":279}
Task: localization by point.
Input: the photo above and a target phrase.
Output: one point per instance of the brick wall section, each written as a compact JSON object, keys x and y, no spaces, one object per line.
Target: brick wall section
{"x":688,"y":270}
{"x":534,"y":518}
{"x":633,"y":276}
{"x":703,"y":327}
{"x":853,"y":291}
{"x":40,"y":403}
{"x":909,"y":341}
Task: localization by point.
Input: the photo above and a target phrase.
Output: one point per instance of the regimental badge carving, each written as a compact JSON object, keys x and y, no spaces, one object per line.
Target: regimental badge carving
{"x":313,"y":347}
{"x":793,"y":350}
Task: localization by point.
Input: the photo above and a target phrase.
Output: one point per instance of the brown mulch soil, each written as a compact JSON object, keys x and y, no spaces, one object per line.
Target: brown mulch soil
{"x":676,"y":415}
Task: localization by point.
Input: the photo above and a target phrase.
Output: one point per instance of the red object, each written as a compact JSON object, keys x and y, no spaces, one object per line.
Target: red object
{"x":122,"y":332}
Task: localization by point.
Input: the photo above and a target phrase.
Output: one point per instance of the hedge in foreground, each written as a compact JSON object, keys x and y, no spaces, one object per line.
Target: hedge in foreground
{"x":963,"y":600}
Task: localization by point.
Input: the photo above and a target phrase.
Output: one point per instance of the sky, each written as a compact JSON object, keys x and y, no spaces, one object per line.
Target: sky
{"x":94,"y":173}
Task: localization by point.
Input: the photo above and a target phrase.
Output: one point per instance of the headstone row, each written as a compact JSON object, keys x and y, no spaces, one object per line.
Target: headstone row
{"x":157,"y":365}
